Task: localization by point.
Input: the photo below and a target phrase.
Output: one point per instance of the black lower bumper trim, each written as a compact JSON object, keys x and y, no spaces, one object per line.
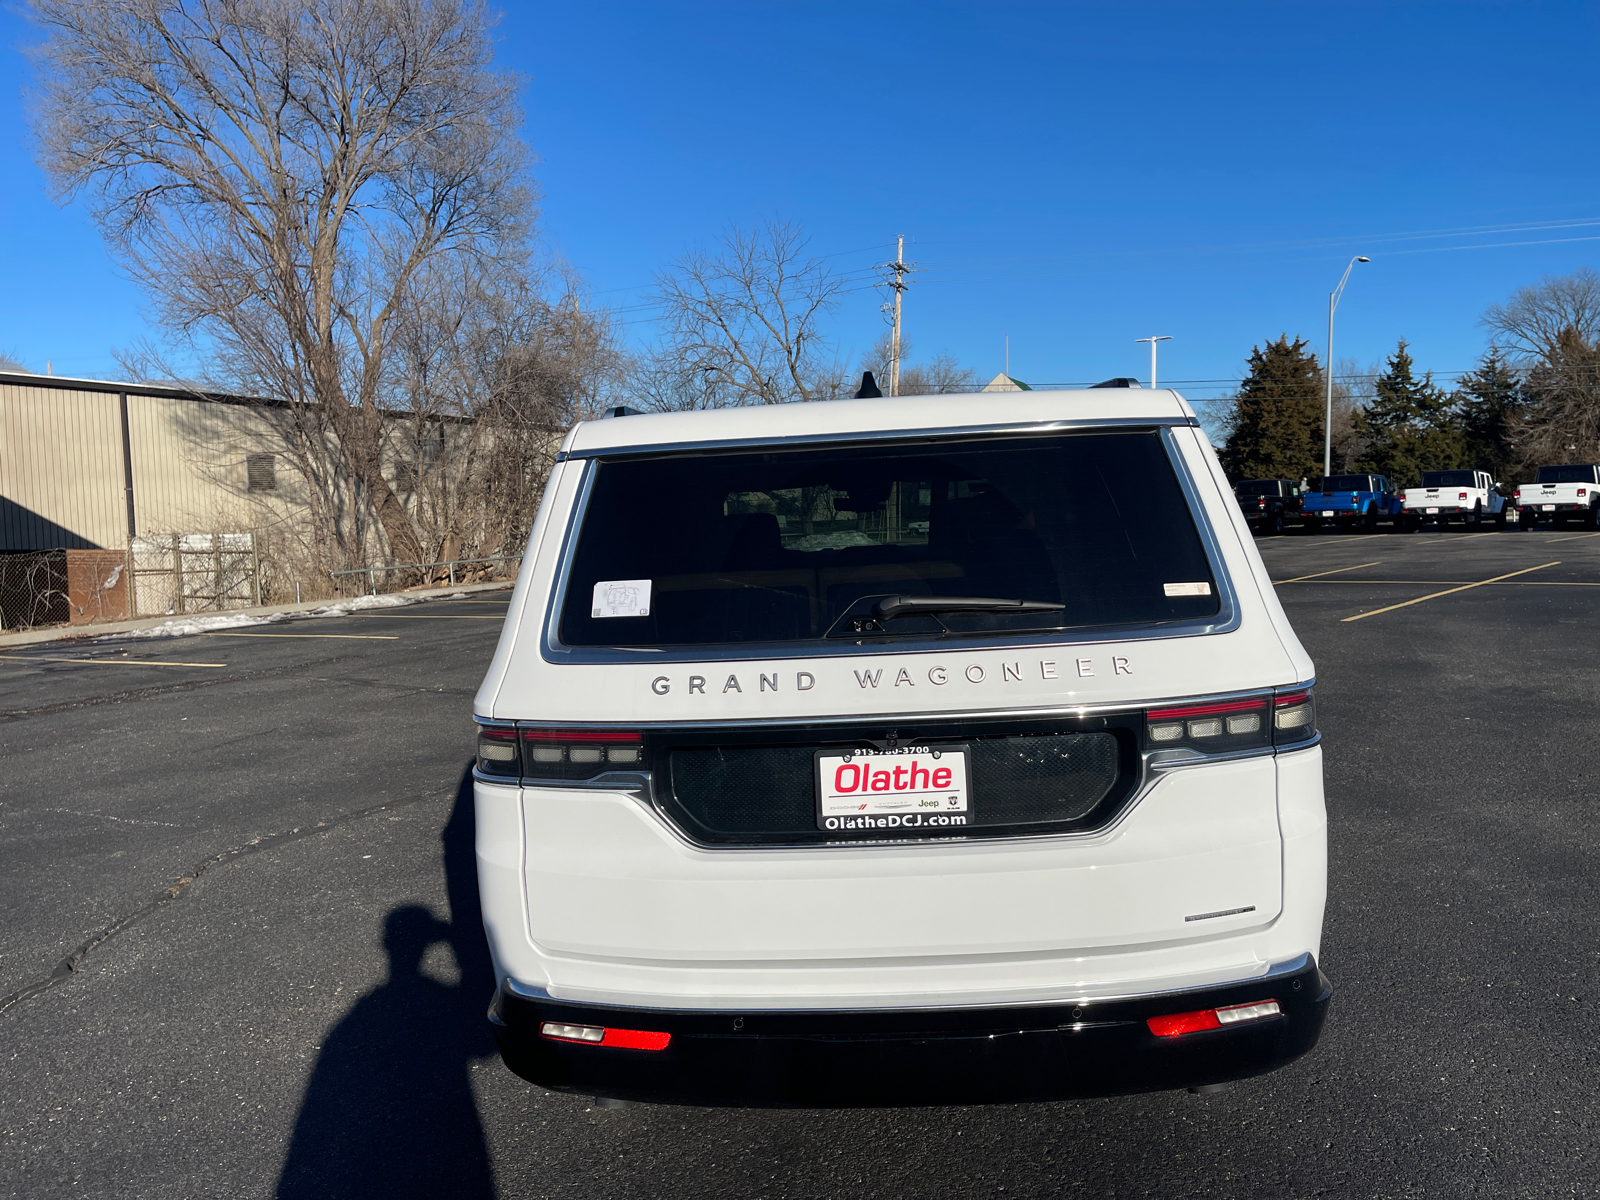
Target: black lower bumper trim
{"x":872,"y":1057}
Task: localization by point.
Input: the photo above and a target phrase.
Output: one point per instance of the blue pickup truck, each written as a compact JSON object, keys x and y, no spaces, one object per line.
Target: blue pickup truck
{"x":1353,"y":502}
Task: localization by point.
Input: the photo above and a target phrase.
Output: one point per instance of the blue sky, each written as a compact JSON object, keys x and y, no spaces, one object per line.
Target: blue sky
{"x":1072,"y":177}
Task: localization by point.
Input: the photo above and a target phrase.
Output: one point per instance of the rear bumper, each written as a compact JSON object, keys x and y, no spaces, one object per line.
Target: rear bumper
{"x":825,"y":1059}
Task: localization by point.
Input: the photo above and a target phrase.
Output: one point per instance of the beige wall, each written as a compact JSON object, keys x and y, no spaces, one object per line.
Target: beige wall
{"x":61,"y":480}
{"x":61,"y":468}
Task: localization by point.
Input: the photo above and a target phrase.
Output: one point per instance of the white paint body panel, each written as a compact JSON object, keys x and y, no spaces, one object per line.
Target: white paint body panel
{"x":592,"y":896}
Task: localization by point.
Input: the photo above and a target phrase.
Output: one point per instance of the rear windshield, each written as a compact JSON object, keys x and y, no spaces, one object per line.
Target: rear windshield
{"x":1257,"y":487}
{"x":796,"y":546}
{"x":1347,"y":483}
{"x":1438,"y":479}
{"x":1577,"y":474}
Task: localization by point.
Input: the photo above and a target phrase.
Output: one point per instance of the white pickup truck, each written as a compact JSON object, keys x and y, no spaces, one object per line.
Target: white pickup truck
{"x":1562,"y":493}
{"x":1471,"y":496}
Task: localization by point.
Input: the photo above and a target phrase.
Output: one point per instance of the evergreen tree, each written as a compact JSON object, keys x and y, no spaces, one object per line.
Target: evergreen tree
{"x":1277,"y":415}
{"x":1489,"y":403}
{"x":1410,"y":425}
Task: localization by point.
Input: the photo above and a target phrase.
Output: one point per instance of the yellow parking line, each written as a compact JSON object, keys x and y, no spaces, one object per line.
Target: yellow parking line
{"x":431,"y":616}
{"x":1449,"y":591}
{"x":1468,"y":582}
{"x":1320,"y":574}
{"x":1461,"y":538}
{"x":1573,"y":538}
{"x":1336,"y":541}
{"x":363,"y":637}
{"x":108,"y":662}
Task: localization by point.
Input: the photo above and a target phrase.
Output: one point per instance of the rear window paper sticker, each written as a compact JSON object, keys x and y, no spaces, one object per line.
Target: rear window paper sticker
{"x":621,"y":598}
{"x":1172,"y":589}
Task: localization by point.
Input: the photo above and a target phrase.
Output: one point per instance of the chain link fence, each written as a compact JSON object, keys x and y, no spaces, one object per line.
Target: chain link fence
{"x":179,"y":573}
{"x":33,"y":589}
{"x":194,"y":572}
{"x":187,"y":573}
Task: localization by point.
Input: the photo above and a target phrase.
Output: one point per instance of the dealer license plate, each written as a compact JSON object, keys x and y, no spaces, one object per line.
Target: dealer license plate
{"x":1547,"y":507}
{"x":1327,"y":512}
{"x":911,"y":790}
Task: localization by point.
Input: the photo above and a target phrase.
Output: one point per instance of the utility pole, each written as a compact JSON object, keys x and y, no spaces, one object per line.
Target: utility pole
{"x":1153,"y":341}
{"x":898,"y":270}
{"x":1327,"y":418}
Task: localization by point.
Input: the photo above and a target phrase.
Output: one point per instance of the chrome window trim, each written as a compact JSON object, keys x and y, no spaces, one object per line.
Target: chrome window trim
{"x":1288,"y":966}
{"x":1227,"y":618}
{"x":935,"y":433}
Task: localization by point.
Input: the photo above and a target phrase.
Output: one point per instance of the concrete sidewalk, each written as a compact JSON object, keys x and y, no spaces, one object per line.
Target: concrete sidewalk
{"x":59,"y":633}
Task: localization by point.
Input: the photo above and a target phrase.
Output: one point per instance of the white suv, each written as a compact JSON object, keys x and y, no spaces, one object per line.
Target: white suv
{"x":897,"y":751}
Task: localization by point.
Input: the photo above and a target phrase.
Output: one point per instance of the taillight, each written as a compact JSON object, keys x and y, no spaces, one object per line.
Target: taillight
{"x":1583,"y":491}
{"x":1461,"y":495}
{"x":577,"y":753}
{"x":1294,"y":718}
{"x":1227,"y":725}
{"x":602,"y":1035}
{"x":1212,"y":1018}
{"x":497,"y":751}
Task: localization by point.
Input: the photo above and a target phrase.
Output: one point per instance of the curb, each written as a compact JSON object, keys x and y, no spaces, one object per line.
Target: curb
{"x":59,"y":633}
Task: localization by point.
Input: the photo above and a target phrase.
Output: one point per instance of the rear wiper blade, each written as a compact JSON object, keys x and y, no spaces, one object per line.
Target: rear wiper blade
{"x":901,"y":606}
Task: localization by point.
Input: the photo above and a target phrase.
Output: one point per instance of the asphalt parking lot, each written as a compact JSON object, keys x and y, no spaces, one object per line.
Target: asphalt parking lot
{"x":255,"y":852}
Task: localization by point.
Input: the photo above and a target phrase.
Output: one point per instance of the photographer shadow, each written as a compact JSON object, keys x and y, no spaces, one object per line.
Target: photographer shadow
{"x":389,"y":1111}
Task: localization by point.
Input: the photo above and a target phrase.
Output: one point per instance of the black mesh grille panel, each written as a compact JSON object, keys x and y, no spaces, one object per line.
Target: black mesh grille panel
{"x":1047,"y":782}
{"x":737,"y":789}
{"x":1023,"y":780}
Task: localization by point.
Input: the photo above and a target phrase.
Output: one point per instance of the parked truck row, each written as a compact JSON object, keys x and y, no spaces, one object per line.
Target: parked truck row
{"x":1562,"y":494}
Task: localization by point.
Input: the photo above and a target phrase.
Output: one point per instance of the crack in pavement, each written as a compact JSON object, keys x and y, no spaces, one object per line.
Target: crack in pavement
{"x":45,"y":710}
{"x":69,"y":965}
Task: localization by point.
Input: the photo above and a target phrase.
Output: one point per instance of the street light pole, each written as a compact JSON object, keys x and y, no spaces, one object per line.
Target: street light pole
{"x":1153,"y":341}
{"x":1327,"y":369}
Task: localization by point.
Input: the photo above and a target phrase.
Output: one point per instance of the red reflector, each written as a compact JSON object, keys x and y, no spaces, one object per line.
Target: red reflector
{"x":1189,"y":1022}
{"x":636,"y":1039}
{"x":1296,"y":698}
{"x":579,"y":735}
{"x":596,"y":1035}
{"x":1213,"y":1018}
{"x":498,"y":735}
{"x":1200,"y":710}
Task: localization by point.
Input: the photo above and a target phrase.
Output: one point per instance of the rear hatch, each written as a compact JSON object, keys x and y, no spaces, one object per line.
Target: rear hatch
{"x":875,"y":674}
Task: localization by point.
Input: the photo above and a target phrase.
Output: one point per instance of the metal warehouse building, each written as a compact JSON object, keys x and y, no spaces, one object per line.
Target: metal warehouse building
{"x":166,"y":483}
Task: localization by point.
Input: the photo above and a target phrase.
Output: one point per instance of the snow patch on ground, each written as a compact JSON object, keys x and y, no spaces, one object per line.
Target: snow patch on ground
{"x":189,"y":626}
{"x":359,"y":604}
{"x":216,"y":622}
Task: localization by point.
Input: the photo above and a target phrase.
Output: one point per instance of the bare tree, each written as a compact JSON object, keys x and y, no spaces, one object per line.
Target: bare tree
{"x":496,"y":373}
{"x":1534,"y":321}
{"x":1552,"y":333}
{"x":942,"y":375}
{"x":742,"y":325}
{"x":279,"y":175}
